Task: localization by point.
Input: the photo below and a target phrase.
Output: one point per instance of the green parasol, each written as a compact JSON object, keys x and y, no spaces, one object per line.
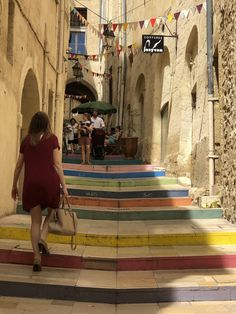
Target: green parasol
{"x":100,"y":106}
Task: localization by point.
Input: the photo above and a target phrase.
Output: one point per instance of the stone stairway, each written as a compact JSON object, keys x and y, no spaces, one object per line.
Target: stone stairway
{"x":139,"y":240}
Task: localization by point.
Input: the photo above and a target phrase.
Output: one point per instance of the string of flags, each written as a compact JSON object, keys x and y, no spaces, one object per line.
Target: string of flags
{"x":157,"y":21}
{"x":76,"y":97}
{"x":88,"y":24}
{"x":95,"y":74}
{"x":76,"y":56}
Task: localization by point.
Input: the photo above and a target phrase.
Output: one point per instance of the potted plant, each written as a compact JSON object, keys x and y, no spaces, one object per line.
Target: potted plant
{"x":130,"y":143}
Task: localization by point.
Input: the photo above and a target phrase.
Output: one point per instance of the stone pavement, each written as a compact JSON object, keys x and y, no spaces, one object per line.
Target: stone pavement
{"x":9,"y":305}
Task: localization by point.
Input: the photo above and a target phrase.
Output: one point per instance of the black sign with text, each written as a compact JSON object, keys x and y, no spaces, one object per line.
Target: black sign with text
{"x":153,"y":44}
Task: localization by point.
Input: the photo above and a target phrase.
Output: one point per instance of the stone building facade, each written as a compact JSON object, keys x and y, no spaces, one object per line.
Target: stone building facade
{"x":166,"y":94}
{"x":227,"y":52}
{"x":32,"y":75}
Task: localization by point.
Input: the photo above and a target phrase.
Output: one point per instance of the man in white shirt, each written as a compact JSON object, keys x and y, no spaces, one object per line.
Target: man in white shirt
{"x":97,"y":122}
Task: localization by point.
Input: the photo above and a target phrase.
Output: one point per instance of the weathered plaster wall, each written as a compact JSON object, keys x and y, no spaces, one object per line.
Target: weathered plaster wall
{"x":25,"y":81}
{"x":227,"y":51}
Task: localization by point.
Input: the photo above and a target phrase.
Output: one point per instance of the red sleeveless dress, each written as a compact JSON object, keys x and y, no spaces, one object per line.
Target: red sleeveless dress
{"x":41,"y":181}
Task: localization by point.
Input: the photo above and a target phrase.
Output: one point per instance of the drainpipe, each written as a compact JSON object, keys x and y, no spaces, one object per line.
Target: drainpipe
{"x":59,"y":104}
{"x":211,"y":155}
{"x":122,"y":100}
{"x":45,"y":54}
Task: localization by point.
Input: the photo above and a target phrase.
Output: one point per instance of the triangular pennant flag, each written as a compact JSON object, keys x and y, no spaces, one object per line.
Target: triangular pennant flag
{"x":184,"y":13}
{"x":135,"y":26}
{"x":141,"y":23}
{"x":125,"y":26}
{"x":158,"y":21}
{"x":170,"y":17}
{"x":114,"y":26}
{"x":130,"y":25}
{"x":146,"y":23}
{"x":153,"y":21}
{"x":205,"y":6}
{"x":105,"y":27}
{"x":176,"y":15}
{"x":199,"y":8}
{"x":193,"y":9}
{"x":120,"y":26}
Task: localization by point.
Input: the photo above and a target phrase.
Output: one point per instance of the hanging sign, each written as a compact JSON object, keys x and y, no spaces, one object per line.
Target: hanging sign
{"x":153,"y":44}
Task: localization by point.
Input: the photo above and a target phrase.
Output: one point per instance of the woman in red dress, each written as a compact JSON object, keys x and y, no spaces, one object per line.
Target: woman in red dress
{"x":39,"y":153}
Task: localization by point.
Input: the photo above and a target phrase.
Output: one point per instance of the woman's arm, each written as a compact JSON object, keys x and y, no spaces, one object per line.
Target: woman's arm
{"x":59,"y":170}
{"x":19,"y":165}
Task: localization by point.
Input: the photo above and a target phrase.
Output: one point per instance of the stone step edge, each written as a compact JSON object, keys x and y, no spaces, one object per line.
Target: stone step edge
{"x":209,"y":238}
{"x":8,"y":256}
{"x":115,"y":295}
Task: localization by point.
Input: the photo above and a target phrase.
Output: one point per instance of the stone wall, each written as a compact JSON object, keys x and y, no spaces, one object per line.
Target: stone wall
{"x":31,"y":76}
{"x":227,"y":50}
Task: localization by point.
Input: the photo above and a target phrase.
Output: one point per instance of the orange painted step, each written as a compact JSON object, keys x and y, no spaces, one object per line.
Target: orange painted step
{"x":125,"y":203}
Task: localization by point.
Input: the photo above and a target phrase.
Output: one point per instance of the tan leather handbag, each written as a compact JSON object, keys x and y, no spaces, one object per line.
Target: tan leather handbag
{"x":64,"y":222}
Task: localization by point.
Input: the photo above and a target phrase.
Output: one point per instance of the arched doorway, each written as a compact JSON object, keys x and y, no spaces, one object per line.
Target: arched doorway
{"x":77,"y":92}
{"x":30,"y":104}
{"x":30,"y":101}
{"x":137,"y":111}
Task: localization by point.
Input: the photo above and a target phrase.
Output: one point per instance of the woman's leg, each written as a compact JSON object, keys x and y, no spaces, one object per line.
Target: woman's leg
{"x":36,"y":220}
{"x":44,"y":232}
{"x":88,"y":153}
{"x":83,"y":153}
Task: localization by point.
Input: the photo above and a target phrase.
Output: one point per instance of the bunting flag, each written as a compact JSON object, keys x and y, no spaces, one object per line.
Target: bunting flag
{"x":75,"y":56}
{"x":77,"y":97}
{"x":86,"y":23}
{"x":184,"y":14}
{"x":95,"y":74}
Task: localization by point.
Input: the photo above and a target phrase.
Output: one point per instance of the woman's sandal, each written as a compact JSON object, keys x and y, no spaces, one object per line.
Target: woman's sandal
{"x":37,"y":264}
{"x":43,"y":247}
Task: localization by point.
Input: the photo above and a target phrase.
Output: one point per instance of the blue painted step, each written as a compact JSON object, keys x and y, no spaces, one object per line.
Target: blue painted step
{"x":125,"y":175}
{"x":129,"y":194}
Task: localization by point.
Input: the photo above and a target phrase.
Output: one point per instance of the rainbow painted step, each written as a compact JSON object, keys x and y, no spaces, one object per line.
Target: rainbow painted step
{"x":118,"y":287}
{"x":114,"y":175}
{"x":133,"y":258}
{"x":126,"y":214}
{"x":132,"y":233}
{"x":129,"y":193}
{"x":104,"y":183}
{"x":77,"y":160}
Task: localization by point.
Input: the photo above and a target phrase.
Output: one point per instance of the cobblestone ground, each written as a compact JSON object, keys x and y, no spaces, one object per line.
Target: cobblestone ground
{"x":10,"y":305}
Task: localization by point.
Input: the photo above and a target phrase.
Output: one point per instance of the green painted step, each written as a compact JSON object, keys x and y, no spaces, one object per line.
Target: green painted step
{"x":143,"y":214}
{"x":120,"y":183}
{"x":114,"y":162}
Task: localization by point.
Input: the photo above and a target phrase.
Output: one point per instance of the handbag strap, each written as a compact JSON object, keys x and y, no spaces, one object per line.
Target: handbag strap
{"x":73,"y":242}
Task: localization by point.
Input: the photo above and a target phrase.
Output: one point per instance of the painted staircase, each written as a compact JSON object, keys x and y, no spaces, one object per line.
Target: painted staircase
{"x":139,"y":241}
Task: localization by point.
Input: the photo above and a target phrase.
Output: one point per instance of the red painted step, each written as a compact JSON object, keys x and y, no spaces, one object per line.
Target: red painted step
{"x":125,"y":203}
{"x":121,"y":264}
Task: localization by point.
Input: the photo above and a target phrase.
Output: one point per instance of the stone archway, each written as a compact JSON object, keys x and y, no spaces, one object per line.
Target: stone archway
{"x":78,"y":92}
{"x":137,"y":111}
{"x":30,"y":101}
{"x":30,"y":104}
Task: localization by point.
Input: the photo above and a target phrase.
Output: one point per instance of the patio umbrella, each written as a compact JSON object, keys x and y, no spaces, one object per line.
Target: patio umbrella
{"x":100,"y":106}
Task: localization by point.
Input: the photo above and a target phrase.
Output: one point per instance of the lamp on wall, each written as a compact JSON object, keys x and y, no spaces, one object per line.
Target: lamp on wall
{"x":77,"y":71}
{"x":108,"y":36}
